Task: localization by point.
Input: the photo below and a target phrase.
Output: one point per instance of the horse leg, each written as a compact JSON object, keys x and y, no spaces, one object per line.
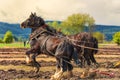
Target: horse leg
{"x":87,"y":58}
{"x":64,"y":65}
{"x":59,"y":74}
{"x":82,"y":61}
{"x":93,"y":59}
{"x":76,"y":58}
{"x":70,"y":68}
{"x":35,"y":63}
{"x":28,"y":58}
{"x":57,"y":67}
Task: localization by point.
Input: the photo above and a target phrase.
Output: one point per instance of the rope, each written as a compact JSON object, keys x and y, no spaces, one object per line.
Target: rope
{"x":73,"y":42}
{"x":93,"y":48}
{"x":77,"y":41}
{"x":48,"y":50}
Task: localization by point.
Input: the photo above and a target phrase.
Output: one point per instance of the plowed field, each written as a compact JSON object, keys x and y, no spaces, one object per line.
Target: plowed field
{"x":13,"y":66}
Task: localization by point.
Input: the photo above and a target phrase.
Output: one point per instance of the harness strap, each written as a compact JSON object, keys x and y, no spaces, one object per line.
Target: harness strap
{"x":43,"y":47}
{"x":36,"y":34}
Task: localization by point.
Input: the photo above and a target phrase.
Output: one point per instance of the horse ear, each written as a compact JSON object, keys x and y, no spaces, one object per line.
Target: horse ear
{"x":31,"y":13}
{"x":34,"y":13}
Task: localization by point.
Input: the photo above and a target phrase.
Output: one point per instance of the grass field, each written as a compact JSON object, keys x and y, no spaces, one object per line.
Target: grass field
{"x":21,"y":45}
{"x":14,"y":45}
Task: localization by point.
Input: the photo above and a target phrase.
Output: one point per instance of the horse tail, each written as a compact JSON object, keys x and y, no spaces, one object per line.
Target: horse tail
{"x":95,"y":45}
{"x":76,"y":59}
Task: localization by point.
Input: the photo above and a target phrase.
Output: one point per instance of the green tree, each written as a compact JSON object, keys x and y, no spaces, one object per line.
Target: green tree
{"x":8,"y":37}
{"x":76,"y":23}
{"x":100,"y":37}
{"x":1,"y":40}
{"x":49,"y":23}
{"x":116,"y":38}
{"x":55,"y":25}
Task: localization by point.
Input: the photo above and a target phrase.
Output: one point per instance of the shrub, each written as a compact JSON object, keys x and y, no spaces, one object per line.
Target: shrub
{"x":100,"y":37}
{"x":1,"y":41}
{"x":116,"y":38}
{"x":8,"y":37}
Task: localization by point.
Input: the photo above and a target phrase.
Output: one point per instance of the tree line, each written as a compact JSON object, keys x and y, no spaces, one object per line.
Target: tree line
{"x":74,"y":24}
{"x":9,"y":37}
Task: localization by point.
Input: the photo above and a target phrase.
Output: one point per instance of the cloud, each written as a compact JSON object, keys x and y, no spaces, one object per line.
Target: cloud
{"x":53,"y":9}
{"x":103,"y":11}
{"x":3,"y":13}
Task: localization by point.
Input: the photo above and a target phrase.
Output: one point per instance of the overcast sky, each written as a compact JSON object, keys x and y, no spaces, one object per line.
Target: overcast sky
{"x":104,"y":11}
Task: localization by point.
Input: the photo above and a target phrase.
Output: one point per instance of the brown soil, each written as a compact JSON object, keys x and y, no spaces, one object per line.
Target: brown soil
{"x":19,"y":62}
{"x":104,"y":58}
{"x":21,"y":74}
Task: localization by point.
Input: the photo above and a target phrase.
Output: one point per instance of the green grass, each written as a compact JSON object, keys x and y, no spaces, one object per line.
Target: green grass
{"x":106,"y":44}
{"x":14,"y":45}
{"x":21,"y":45}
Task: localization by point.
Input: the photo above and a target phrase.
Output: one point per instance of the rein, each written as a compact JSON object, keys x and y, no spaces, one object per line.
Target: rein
{"x":37,"y":34}
{"x":77,"y":40}
{"x":43,"y":47}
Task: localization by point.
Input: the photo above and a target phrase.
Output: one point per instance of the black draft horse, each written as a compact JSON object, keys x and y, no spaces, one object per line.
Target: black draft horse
{"x":42,"y":41}
{"x":87,"y":46}
{"x":84,"y":39}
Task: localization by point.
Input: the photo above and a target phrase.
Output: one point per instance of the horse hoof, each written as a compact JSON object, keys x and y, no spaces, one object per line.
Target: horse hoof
{"x":37,"y":70}
{"x":69,"y":74}
{"x":83,"y":75}
{"x":52,"y":78}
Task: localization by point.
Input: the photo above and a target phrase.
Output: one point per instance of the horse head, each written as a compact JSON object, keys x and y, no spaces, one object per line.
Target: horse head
{"x":33,"y":21}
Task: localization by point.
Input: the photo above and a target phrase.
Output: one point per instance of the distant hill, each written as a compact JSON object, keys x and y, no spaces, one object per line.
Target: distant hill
{"x":15,"y":29}
{"x":108,"y":30}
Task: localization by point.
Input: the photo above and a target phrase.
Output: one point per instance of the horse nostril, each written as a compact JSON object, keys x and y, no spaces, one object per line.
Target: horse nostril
{"x":22,"y":24}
